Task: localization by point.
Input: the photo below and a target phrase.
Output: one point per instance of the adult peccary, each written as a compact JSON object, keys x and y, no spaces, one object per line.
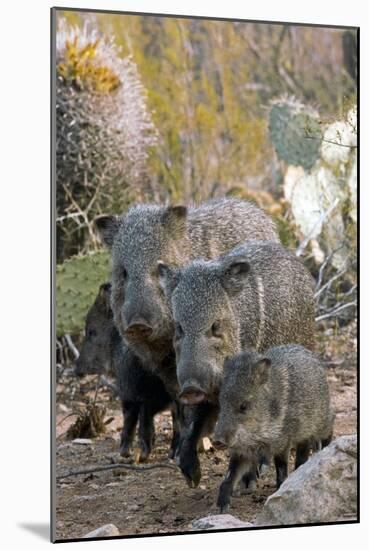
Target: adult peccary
{"x":148,"y":234}
{"x":258,"y":295}
{"x":270,"y":403}
{"x":141,"y":392}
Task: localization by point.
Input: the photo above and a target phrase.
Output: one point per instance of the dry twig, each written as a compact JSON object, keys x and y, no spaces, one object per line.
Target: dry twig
{"x":115,"y":466}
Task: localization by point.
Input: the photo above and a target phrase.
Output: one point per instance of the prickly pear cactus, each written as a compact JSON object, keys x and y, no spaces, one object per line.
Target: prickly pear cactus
{"x":77,"y":283}
{"x":295,"y":132}
{"x":323,"y":201}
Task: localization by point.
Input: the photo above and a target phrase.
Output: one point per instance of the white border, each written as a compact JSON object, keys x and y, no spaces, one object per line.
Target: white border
{"x":25,"y":181}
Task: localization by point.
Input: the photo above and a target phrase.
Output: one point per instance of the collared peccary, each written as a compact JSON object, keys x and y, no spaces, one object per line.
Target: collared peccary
{"x":270,"y":403}
{"x":142,"y":393}
{"x":258,"y":295}
{"x":148,"y":234}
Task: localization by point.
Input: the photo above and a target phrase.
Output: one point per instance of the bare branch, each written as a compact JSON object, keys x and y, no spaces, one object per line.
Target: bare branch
{"x":71,"y":346}
{"x":335,"y":311}
{"x":332,"y":142}
{"x":328,"y":284}
{"x":322,"y":269}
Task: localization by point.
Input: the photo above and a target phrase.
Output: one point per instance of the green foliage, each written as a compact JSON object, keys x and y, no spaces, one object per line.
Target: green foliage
{"x":213,"y":132}
{"x":287,"y":232}
{"x":77,"y":283}
{"x":295,"y":132}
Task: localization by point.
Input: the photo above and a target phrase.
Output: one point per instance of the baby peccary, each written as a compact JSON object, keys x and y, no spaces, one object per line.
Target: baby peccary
{"x":270,"y":403}
{"x":142,"y":393}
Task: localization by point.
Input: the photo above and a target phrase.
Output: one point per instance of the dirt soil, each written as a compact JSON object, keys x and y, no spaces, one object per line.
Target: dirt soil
{"x":159,"y":501}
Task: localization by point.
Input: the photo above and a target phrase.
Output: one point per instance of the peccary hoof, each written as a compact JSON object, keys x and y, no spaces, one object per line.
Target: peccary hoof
{"x":189,"y":465}
{"x":224,"y":495}
{"x":192,"y":474}
{"x":174,"y":447}
{"x":236,"y":491}
{"x":142,"y":456}
{"x":223,"y":499}
{"x":125,"y":450}
{"x":224,"y":509}
{"x":263,"y":468}
{"x":143,"y":452}
{"x":251,"y":487}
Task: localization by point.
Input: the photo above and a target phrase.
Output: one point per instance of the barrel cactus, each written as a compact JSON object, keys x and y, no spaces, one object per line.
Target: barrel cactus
{"x":104,"y":132}
{"x":295,"y":132}
{"x":77,"y":283}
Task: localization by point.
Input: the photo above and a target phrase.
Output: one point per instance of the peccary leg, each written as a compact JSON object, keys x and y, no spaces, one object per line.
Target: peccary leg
{"x":236,"y":470}
{"x":201,"y":422}
{"x":146,"y":432}
{"x":176,"y":422}
{"x":130,"y":415}
{"x":281,"y":466}
{"x":264,"y":464}
{"x":302,"y":453}
{"x":327,"y":441}
{"x":249,"y":480}
{"x":247,"y":483}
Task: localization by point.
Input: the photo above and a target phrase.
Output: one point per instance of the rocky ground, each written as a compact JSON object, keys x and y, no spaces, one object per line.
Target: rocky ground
{"x":159,"y":501}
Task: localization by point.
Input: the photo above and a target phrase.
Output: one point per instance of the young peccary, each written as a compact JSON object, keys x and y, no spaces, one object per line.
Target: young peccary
{"x":175,"y":235}
{"x":141,"y":392}
{"x":270,"y":403}
{"x":258,"y":295}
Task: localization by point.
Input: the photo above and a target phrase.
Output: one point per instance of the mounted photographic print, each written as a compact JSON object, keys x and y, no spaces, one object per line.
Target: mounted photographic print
{"x":204,"y":308}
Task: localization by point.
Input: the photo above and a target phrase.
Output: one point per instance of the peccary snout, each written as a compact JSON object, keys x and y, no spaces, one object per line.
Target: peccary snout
{"x":219,"y":445}
{"x":138,"y":326}
{"x":223,"y":436}
{"x":192,"y":395}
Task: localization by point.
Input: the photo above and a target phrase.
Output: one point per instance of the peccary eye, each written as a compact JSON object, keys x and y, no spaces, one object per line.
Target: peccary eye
{"x":244,"y":407}
{"x":216,"y":329}
{"x":91,"y":333}
{"x":178,"y":331}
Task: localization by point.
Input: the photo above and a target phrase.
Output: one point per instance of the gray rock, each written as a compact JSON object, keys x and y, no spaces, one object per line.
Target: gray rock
{"x":61,"y":408}
{"x":108,"y":530}
{"x":81,"y":441}
{"x":221,"y":521}
{"x":80,"y":498}
{"x":324,"y":489}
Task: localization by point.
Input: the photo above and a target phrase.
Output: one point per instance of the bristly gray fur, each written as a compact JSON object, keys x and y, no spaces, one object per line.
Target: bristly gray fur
{"x":259,"y":295}
{"x":148,"y":234}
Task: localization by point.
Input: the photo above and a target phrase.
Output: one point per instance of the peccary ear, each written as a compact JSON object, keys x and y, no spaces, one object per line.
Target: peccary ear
{"x":168,"y":278}
{"x":261,"y":371}
{"x":107,"y":227}
{"x":103,"y":297}
{"x":228,"y":363}
{"x":233,"y":276}
{"x":174,"y":220}
{"x":105,"y":290}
